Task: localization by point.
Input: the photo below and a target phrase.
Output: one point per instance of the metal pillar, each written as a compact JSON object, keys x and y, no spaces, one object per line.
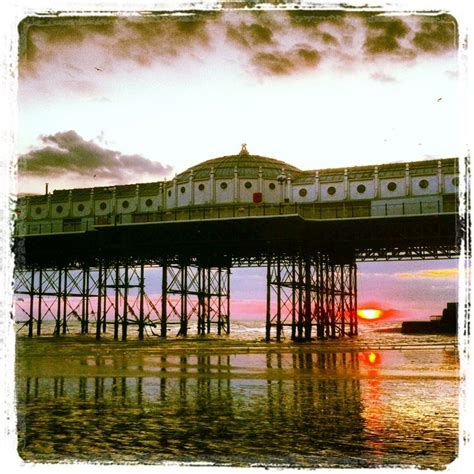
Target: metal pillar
{"x":100,"y":289}
{"x":32,"y":293}
{"x":125,"y":303}
{"x":40,"y":298}
{"x":192,"y":291}
{"x":55,"y":295}
{"x":141,"y":315}
{"x":311,"y":291}
{"x":57,"y":331}
{"x":164,"y":298}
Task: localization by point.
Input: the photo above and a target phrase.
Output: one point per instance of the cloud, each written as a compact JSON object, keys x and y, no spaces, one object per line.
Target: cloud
{"x":430,"y":274}
{"x":437,"y":34}
{"x":249,"y":35}
{"x":86,"y":47}
{"x":286,"y":62}
{"x":68,"y":153}
{"x":313,"y":19}
{"x":384,"y":35}
{"x":44,"y":39}
{"x":141,"y":40}
{"x":382,"y":77}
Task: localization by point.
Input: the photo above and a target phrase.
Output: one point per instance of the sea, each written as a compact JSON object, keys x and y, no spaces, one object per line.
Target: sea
{"x":381,"y":399}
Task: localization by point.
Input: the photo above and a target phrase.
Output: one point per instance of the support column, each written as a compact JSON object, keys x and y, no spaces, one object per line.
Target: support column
{"x":39,"y":316}
{"x":318,"y":289}
{"x":85,"y":300}
{"x":164,"y":297}
{"x":125,"y":303}
{"x":116,"y":301}
{"x":65,"y":301}
{"x":184,"y":302}
{"x":104,"y":273}
{"x":57,"y":331}
{"x":307,"y":300}
{"x":32,"y":293}
{"x":141,"y":315}
{"x":99,"y":302}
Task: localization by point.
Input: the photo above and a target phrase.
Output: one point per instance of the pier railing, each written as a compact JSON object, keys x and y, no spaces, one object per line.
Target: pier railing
{"x":313,"y":211}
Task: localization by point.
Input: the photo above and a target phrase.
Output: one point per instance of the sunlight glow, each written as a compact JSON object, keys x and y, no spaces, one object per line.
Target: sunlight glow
{"x":369,"y":314}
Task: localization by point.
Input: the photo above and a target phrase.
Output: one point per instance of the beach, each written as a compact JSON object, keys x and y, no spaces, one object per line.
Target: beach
{"x":375,"y":400}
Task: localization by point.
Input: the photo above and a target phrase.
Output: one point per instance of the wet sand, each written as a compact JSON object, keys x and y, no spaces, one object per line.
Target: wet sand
{"x":237,"y":402}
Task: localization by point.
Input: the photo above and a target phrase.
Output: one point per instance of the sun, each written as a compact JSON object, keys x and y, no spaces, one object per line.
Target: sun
{"x":369,"y":314}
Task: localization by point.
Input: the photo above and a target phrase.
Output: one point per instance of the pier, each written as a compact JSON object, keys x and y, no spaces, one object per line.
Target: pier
{"x":90,"y":254}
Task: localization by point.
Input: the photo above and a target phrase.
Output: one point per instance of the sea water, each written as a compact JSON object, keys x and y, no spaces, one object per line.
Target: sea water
{"x":379,"y":399}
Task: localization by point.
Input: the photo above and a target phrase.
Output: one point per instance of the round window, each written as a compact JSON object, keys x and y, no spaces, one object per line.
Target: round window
{"x":148,"y":202}
{"x":59,"y":209}
{"x":38,"y":210}
{"x":169,"y":193}
{"x":103,"y":206}
{"x":248,"y":184}
{"x":201,"y":187}
{"x":80,"y":207}
{"x":423,"y":184}
{"x":125,"y":204}
{"x":331,"y":190}
{"x":361,"y":189}
{"x":223,"y":185}
{"x":272,"y":186}
{"x":455,"y":181}
{"x":392,"y":186}
{"x":302,"y":192}
{"x":182,"y":189}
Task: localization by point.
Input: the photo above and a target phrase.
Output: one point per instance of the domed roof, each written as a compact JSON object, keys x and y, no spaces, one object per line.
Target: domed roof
{"x":247,"y":165}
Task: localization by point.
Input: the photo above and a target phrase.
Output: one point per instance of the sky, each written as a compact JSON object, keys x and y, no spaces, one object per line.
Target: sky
{"x":111,"y":100}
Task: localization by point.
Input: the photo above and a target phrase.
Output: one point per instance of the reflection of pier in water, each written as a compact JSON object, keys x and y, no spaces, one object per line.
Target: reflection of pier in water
{"x":194,"y":408}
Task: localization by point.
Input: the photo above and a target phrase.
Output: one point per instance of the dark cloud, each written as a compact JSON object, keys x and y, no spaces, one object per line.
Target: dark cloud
{"x":329,"y":39}
{"x":68,"y":153}
{"x":281,"y":63}
{"x":266,"y":37}
{"x":384,"y":34}
{"x":40,"y":38}
{"x":249,"y":35}
{"x":312,"y":19}
{"x":145,"y":40}
{"x":139,"y":39}
{"x":437,"y":34}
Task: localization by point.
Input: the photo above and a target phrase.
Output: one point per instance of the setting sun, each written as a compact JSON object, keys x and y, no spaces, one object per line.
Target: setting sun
{"x":369,"y":314}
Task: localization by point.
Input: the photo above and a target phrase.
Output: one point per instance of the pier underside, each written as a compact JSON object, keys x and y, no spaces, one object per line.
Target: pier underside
{"x":174,"y":278}
{"x":307,"y":297}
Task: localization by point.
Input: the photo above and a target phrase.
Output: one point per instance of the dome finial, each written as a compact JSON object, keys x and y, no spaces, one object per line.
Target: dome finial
{"x":244,"y":150}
